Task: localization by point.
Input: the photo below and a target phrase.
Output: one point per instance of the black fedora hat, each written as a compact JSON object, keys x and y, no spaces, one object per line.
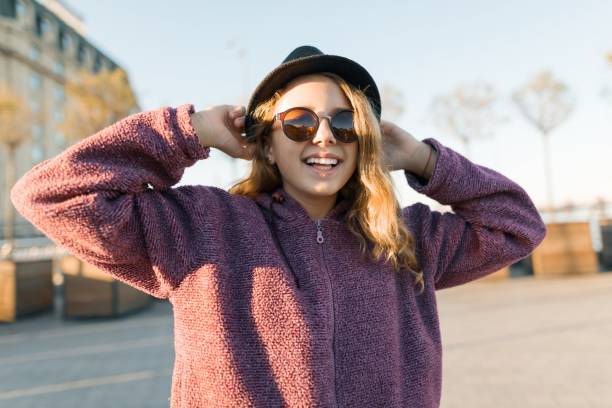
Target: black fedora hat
{"x":304,"y":60}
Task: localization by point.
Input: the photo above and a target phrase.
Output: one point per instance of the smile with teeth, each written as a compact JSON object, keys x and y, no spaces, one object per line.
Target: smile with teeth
{"x":321,"y":163}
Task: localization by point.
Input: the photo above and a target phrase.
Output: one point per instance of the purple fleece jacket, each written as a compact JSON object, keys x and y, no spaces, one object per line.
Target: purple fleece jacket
{"x":331,"y":331}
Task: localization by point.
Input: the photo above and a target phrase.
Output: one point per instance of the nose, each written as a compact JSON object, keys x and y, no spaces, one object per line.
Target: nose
{"x":324,"y":133}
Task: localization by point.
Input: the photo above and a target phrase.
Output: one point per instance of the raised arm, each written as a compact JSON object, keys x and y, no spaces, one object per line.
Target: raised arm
{"x":108,"y":199}
{"x":493,"y":224}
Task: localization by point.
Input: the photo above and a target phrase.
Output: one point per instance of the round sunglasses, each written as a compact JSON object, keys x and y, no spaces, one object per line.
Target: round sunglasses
{"x":301,"y":124}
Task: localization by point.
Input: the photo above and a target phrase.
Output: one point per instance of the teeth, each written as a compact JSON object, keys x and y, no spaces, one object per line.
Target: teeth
{"x":318,"y":160}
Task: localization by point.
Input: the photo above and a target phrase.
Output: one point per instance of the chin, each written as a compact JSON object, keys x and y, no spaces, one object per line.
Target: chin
{"x":322,"y":190}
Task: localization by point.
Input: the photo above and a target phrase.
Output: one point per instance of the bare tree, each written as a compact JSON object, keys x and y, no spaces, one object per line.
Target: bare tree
{"x":15,"y":128}
{"x":467,"y":112}
{"x":545,"y":103}
{"x":392,"y":101}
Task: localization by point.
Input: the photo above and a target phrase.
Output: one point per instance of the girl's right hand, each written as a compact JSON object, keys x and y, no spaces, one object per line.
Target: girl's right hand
{"x":221,"y":127}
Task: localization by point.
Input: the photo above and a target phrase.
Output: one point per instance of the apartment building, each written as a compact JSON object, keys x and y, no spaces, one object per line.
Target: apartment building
{"x":41,"y":44}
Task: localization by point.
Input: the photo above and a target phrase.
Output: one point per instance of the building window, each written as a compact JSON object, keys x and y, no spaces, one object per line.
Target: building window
{"x":58,"y":114}
{"x":37,"y":143}
{"x":59,"y":140}
{"x":97,"y":63}
{"x":37,"y":133}
{"x":37,"y":153}
{"x":20,"y":10}
{"x":58,"y":68}
{"x":35,"y":81}
{"x":7,"y":9}
{"x":42,"y":26}
{"x":59,"y":94}
{"x":81,"y":53}
{"x":62,"y":40}
{"x":34,"y":53}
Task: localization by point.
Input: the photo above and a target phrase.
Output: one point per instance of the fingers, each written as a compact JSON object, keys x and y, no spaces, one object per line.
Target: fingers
{"x":237,"y":112}
{"x":237,"y":118}
{"x":239,"y":122}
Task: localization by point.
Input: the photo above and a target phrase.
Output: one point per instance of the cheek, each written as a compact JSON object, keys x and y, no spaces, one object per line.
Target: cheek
{"x":288,"y":165}
{"x":287,"y":157}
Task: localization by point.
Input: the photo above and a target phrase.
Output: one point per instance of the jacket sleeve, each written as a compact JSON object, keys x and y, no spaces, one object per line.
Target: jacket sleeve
{"x":108,"y":201}
{"x":494,"y":223}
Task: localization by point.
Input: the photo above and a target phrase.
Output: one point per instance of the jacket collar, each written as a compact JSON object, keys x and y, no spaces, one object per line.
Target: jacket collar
{"x":286,"y":208}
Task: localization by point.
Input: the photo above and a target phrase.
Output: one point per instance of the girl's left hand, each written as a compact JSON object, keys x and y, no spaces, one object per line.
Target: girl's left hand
{"x":398,"y":146}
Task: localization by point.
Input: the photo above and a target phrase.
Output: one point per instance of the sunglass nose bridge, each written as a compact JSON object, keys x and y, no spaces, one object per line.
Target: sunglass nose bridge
{"x":324,"y":128}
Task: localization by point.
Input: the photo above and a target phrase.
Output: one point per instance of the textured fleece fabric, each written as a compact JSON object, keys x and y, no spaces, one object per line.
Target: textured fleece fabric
{"x":334,"y":330}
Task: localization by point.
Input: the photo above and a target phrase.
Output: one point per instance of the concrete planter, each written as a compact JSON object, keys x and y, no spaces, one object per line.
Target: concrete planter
{"x":567,"y":249}
{"x":500,"y":275}
{"x":90,"y":292}
{"x":25,"y":287}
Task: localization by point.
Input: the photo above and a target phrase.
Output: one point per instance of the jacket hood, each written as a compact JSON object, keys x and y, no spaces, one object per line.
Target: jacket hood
{"x":286,"y":208}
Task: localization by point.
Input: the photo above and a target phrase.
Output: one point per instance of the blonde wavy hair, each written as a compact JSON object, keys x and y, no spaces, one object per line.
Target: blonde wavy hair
{"x":375,"y":214}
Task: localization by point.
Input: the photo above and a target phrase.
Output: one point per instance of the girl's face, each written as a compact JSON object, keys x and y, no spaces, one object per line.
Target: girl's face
{"x":300,"y":180}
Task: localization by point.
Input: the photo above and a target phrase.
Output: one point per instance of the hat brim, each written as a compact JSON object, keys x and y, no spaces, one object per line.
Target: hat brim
{"x":346,"y":68}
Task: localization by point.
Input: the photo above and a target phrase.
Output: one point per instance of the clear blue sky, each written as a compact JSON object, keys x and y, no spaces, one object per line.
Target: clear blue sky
{"x":177,"y":52}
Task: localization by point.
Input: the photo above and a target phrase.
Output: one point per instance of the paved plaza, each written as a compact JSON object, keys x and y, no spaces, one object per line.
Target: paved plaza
{"x":528,"y":342}
{"x":49,"y":362}
{"x":524,"y":342}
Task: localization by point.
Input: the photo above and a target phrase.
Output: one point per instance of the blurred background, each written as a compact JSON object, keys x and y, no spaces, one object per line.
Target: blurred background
{"x":523,"y":87}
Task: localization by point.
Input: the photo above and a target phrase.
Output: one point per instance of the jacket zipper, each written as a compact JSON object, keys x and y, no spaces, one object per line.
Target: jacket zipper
{"x":320,"y":241}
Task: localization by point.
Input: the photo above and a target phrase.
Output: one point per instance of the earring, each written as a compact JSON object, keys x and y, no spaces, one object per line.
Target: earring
{"x":270,"y":160}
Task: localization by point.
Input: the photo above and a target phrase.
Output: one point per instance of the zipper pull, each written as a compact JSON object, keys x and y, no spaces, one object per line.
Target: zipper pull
{"x":320,"y":239}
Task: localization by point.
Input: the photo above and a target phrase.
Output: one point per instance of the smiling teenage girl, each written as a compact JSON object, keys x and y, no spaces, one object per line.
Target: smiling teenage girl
{"x":306,"y":284}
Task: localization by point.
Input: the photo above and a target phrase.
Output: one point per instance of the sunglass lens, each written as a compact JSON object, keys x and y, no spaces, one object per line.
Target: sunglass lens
{"x":299,"y":124}
{"x":342,"y":126}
